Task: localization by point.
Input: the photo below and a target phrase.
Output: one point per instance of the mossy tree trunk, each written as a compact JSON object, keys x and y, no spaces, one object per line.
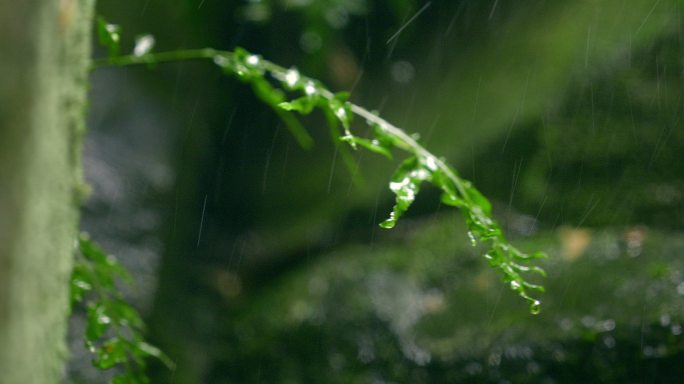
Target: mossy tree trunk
{"x":44,"y":45}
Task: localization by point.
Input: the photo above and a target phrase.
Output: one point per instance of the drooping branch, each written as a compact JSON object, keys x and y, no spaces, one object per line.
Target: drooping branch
{"x":272,"y":83}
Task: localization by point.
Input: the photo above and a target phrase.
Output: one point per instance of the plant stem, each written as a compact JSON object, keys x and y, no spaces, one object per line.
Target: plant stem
{"x":159,"y":57}
{"x":252,"y":69}
{"x":411,"y":145}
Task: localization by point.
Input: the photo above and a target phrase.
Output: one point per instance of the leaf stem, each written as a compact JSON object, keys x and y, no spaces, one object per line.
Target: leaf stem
{"x":209,"y":54}
{"x":477,"y":210}
{"x":159,"y":57}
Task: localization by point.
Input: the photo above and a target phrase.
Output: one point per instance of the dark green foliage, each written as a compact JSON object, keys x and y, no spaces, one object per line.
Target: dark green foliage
{"x":614,"y":314}
{"x":115,"y":330}
{"x":610,"y":153}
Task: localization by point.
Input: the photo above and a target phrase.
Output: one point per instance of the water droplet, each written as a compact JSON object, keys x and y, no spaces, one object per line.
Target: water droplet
{"x":431,"y":163}
{"x":143,"y":45}
{"x":221,"y":61}
{"x":473,"y":240}
{"x":113,"y":30}
{"x":400,"y":186}
{"x":252,"y":60}
{"x":341,"y":113}
{"x":82,"y":284}
{"x":515,"y":285}
{"x":309,"y":88}
{"x":104,"y":319}
{"x":420,"y":174}
{"x":535,"y":307}
{"x":292,"y":77}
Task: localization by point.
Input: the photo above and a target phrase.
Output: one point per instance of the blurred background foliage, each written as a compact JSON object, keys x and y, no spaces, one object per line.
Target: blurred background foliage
{"x":258,"y":261}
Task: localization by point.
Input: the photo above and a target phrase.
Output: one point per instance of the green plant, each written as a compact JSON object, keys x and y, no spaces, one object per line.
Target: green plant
{"x":275,"y":85}
{"x":114,"y":332}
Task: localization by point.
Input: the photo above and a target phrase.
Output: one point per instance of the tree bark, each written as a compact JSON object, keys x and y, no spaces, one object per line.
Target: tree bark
{"x":45,"y":50}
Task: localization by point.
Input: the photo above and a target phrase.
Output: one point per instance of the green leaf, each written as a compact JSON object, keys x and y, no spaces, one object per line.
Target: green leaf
{"x":266,"y":92}
{"x":342,"y":110}
{"x":342,"y":148}
{"x":94,"y":280}
{"x":98,"y":322}
{"x":371,"y":145}
{"x":405,"y":184}
{"x":244,"y":65}
{"x":109,"y":36}
{"x":296,"y":128}
{"x":104,"y":268}
{"x":478,"y":199}
{"x":112,"y":352}
{"x":303,"y":105}
{"x":342,"y":97}
{"x":155,"y":352}
{"x":450,"y":194}
{"x":80,"y":284}
{"x":385,"y":138}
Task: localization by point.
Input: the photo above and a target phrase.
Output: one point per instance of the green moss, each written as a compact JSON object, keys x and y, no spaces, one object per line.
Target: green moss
{"x":40,"y":146}
{"x":614,"y":312}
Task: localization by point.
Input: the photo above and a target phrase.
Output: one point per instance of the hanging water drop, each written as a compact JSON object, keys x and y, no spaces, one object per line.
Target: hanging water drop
{"x":309,"y":88}
{"x":431,"y":163}
{"x":535,"y":307}
{"x":291,"y":77}
{"x":252,"y":60}
{"x":143,"y":45}
{"x":341,"y":113}
{"x":104,"y":319}
{"x":473,"y":240}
